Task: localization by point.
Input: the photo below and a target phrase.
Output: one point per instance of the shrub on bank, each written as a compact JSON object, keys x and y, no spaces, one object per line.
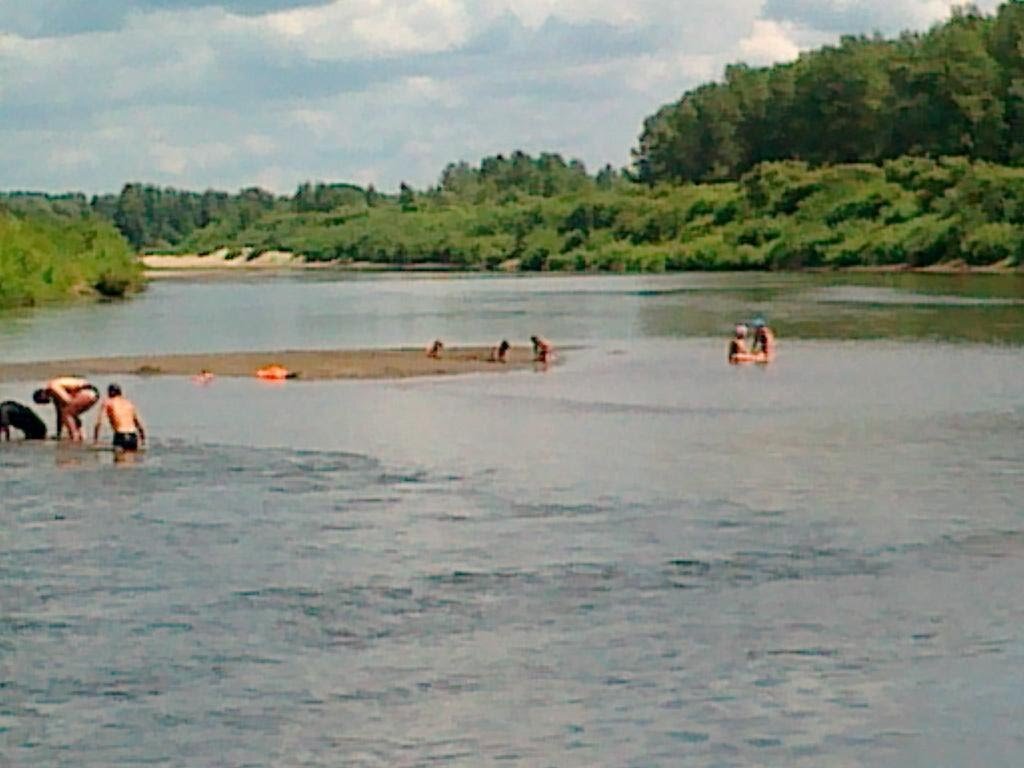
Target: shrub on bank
{"x":45,"y":258}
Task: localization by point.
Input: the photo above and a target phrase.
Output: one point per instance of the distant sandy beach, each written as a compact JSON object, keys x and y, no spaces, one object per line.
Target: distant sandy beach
{"x":246,"y":260}
{"x":308,"y":364}
{"x":223,"y":260}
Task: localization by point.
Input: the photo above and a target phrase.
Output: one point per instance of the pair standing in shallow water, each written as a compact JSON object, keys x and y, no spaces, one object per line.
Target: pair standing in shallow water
{"x":762,"y":350}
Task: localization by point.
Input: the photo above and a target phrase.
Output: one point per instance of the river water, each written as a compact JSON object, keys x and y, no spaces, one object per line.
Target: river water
{"x":641,"y":557}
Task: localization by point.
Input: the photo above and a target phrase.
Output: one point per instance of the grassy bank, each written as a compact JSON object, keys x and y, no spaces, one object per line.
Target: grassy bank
{"x":49,"y":258}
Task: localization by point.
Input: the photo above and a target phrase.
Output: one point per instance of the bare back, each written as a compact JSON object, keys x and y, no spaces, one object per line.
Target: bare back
{"x":121,"y":414}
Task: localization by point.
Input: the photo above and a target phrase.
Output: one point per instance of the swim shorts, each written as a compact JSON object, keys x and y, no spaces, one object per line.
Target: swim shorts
{"x":126,"y":441}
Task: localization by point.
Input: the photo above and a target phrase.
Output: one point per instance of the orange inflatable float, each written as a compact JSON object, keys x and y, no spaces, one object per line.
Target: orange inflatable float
{"x":274,"y":373}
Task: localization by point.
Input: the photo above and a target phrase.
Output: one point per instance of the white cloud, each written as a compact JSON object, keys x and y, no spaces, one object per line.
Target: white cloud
{"x":259,"y":144}
{"x":769,"y":42}
{"x":72,"y":158}
{"x":350,"y":28}
{"x":373,"y":90}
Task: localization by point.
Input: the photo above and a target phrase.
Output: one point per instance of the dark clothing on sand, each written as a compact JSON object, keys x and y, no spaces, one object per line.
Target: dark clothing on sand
{"x":19,"y":417}
{"x":126,"y":441}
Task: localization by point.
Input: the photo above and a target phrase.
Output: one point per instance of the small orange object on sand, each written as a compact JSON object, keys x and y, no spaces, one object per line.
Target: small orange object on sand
{"x":275,"y":373}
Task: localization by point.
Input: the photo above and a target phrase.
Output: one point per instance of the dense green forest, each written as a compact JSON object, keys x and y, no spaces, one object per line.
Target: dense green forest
{"x":957,"y":89}
{"x":45,"y":257}
{"x":872,"y":152}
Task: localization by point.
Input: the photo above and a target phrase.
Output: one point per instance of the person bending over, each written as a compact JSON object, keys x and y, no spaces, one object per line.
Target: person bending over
{"x":71,"y":397}
{"x":543,"y":350}
{"x":129,"y":433}
{"x":499,"y":354}
{"x":22,"y":418}
{"x":435,"y":349}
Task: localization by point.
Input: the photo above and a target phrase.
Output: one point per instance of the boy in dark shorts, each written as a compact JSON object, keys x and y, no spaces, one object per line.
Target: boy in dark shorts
{"x":22,"y":418}
{"x":124,"y":420}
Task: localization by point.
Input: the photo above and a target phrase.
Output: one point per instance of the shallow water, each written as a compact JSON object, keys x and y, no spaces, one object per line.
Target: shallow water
{"x":641,"y":557}
{"x":325,"y":311}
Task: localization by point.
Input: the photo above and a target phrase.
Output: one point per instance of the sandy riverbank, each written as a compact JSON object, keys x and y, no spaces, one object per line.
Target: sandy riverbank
{"x":308,"y":364}
{"x":222,"y":262}
{"x":224,"y":259}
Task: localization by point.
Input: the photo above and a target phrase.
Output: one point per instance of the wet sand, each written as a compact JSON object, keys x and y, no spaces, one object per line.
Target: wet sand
{"x":307,"y":364}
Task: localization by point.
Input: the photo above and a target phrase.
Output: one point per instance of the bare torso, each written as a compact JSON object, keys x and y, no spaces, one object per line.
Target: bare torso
{"x":121,"y":414}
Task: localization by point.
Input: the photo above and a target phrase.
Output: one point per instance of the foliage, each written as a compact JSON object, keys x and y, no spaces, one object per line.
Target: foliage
{"x":45,"y":257}
{"x":779,"y":215}
{"x":957,"y":89}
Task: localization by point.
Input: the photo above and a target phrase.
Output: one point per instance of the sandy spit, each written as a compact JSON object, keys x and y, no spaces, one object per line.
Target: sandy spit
{"x":308,"y":364}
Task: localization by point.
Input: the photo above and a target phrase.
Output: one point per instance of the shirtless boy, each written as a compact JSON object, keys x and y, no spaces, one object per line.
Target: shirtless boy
{"x":71,"y":397}
{"x":124,"y":420}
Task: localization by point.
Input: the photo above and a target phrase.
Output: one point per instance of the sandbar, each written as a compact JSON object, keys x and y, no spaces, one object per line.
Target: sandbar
{"x":307,"y":364}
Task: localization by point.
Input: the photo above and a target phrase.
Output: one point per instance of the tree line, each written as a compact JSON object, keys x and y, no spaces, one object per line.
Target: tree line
{"x":162,"y":218}
{"x":957,"y":89}
{"x":781,"y":215}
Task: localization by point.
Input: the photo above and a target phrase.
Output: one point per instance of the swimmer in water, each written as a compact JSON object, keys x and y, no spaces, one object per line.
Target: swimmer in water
{"x":738,"y":352}
{"x":499,"y":354}
{"x":543,"y":350}
{"x":764,"y":342}
{"x":129,"y":433}
{"x":22,"y":418}
{"x":71,"y":397}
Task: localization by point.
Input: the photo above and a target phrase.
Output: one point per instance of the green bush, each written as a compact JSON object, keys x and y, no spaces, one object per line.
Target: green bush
{"x":991,"y":243}
{"x":44,"y":257}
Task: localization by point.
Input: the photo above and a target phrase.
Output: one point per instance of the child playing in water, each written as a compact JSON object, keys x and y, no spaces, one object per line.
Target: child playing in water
{"x":764,"y":342}
{"x":124,"y":420}
{"x":499,"y":353}
{"x":543,"y":350}
{"x":738,"y":352}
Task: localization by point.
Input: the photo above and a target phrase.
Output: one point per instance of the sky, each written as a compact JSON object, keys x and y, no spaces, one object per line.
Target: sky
{"x":226,"y":94}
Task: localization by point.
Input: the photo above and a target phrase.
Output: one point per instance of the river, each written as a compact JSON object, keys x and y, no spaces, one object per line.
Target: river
{"x":640,"y":557}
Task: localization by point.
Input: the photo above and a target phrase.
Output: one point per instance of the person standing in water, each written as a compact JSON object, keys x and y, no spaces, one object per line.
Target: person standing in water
{"x":764,"y":342}
{"x":71,"y":397}
{"x":738,"y":352}
{"x":129,"y":433}
{"x":22,"y":418}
